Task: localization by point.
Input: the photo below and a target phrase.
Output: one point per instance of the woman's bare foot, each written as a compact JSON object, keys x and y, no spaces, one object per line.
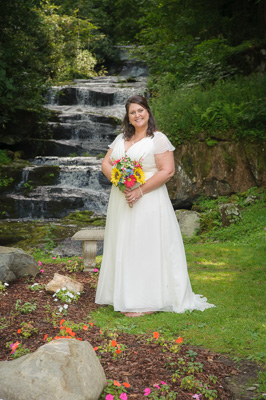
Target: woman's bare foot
{"x":136,"y":314}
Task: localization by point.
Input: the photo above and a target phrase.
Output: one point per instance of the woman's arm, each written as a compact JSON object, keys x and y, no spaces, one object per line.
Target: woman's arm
{"x":166,"y":169}
{"x":107,"y":164}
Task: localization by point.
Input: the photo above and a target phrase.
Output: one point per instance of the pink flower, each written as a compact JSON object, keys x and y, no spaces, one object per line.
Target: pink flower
{"x":130,"y":181}
{"x":80,"y":257}
{"x":163,"y":383}
{"x":39,"y":262}
{"x":109,"y":397}
{"x":157,"y":386}
{"x":95,"y":270}
{"x":147,"y":391}
{"x":42,"y":271}
{"x":54,"y":258}
{"x":196,"y":396}
{"x":123,"y":396}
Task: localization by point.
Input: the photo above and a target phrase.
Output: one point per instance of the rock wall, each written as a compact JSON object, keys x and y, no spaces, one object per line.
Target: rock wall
{"x":219,"y":170}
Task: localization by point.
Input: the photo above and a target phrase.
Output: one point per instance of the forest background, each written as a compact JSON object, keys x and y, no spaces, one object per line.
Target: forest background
{"x":206,"y":60}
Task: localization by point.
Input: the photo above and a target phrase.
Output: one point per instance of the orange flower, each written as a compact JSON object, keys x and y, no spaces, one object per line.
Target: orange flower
{"x":179,"y":340}
{"x":91,"y":323}
{"x":78,"y":338}
{"x":62,"y":327}
{"x":95,"y":348}
{"x":118,"y":351}
{"x":45,"y":337}
{"x":114,"y":343}
{"x":69,"y":330}
{"x":72,"y":334}
{"x":15,"y":346}
{"x":62,"y":321}
{"x":127,"y":385}
{"x":19,"y":330}
{"x":101,"y":332}
{"x":117,"y":383}
{"x":85,"y":327}
{"x":156,"y":335}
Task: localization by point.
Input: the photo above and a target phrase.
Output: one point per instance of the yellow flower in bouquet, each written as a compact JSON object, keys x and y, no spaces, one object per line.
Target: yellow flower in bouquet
{"x":139,"y":175}
{"x":115,"y":176}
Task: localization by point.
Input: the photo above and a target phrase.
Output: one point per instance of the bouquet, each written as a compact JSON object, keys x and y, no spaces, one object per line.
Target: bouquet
{"x":126,"y":173}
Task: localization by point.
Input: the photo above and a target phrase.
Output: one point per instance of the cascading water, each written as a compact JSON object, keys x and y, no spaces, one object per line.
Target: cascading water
{"x":67,"y":177}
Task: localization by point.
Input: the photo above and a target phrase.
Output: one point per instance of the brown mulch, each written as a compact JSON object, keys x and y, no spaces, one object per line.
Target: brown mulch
{"x":142,"y":364}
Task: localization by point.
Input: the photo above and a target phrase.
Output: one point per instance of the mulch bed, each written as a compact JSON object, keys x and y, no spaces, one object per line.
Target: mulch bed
{"x":142,"y":364}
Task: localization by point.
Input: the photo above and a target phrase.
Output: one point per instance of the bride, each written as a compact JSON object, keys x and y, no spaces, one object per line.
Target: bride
{"x":144,"y":267}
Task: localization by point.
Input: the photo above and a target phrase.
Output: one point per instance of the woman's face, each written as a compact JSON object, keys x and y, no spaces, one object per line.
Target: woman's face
{"x":138,"y":116}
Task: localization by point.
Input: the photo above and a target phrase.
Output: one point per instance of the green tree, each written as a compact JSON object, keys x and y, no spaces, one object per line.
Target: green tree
{"x":38,"y":46}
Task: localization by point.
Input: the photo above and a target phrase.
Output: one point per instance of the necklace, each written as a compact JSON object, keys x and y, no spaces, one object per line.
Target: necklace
{"x":135,"y":141}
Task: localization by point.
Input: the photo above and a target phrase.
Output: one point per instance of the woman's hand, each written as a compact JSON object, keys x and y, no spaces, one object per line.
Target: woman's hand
{"x":132,"y":196}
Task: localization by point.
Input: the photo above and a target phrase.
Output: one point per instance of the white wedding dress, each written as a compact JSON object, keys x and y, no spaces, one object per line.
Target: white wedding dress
{"x":144,"y":264}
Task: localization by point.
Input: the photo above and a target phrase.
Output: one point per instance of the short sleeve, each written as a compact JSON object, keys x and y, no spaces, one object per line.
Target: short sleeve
{"x":162,"y":143}
{"x":112,"y":145}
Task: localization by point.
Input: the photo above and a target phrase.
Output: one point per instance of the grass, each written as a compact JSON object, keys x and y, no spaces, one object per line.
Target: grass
{"x":227,"y":266}
{"x":231,"y":277}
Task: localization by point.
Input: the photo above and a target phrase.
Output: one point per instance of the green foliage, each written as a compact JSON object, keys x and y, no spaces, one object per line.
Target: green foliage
{"x":234,"y":109}
{"x":36,"y":287}
{"x":38,"y":46}
{"x":250,"y":229}
{"x":197,"y":42}
{"x":3,"y":287}
{"x":112,"y":389}
{"x":25,"y":308}
{"x":66,"y":296}
{"x":27,"y":329}
{"x":4,"y":159}
{"x":18,"y":351}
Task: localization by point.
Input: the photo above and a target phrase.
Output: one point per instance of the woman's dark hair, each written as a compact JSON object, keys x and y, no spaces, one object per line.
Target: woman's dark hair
{"x":129,"y":129}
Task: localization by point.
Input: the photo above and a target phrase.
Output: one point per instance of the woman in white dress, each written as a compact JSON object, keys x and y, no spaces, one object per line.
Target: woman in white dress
{"x":144,"y":265}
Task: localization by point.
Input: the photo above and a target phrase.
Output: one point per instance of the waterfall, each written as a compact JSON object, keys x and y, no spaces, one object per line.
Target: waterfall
{"x":67,"y":175}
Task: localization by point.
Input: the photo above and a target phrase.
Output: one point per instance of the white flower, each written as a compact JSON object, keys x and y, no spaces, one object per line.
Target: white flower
{"x":78,"y":293}
{"x":58,"y":290}
{"x":34,"y":284}
{"x":65,"y":306}
{"x":60,"y":309}
{"x":54,"y":295}
{"x":6,"y":284}
{"x":55,"y":299}
{"x":64,"y":288}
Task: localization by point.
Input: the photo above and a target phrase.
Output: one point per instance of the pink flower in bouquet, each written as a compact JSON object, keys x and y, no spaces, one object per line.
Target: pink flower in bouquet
{"x":130,"y":181}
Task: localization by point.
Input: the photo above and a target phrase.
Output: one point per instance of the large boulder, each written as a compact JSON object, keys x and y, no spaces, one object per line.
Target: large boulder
{"x":62,"y":369}
{"x":15,"y":263}
{"x":60,"y":281}
{"x":218,"y":170}
{"x":189,"y":222}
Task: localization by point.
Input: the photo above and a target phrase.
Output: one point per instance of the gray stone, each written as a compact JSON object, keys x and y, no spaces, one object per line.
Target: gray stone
{"x":189,"y":222}
{"x":220,"y":170}
{"x":61,"y":281}
{"x":15,"y":263}
{"x":89,"y":239}
{"x":64,"y":369}
{"x":250,"y":199}
{"x":230,"y":214}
